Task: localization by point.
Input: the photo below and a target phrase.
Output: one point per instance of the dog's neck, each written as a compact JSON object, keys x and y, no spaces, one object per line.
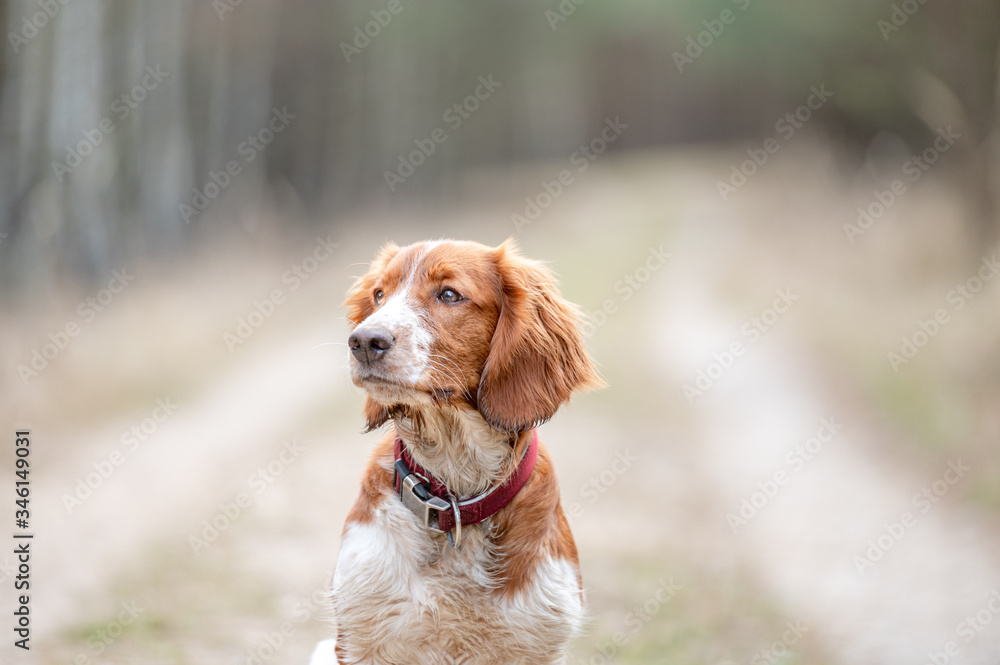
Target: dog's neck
{"x":458,"y":447}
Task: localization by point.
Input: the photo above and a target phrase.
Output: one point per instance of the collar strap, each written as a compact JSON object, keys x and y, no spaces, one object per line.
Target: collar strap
{"x":433,"y":503}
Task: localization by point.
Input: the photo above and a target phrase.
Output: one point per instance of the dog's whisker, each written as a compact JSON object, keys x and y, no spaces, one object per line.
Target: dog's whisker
{"x":434,"y":357}
{"x":328,"y":344}
{"x":438,"y":356}
{"x":448,"y":373}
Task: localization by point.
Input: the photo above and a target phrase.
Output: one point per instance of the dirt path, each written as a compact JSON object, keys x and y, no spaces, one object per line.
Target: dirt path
{"x":818,"y":514}
{"x":194,"y":460}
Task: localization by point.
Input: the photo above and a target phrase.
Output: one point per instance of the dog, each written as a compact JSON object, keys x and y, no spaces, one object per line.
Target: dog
{"x":457,"y":550}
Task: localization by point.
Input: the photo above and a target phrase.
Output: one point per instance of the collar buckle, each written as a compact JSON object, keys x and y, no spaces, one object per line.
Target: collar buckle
{"x":417,"y":489}
{"x":415,"y":496}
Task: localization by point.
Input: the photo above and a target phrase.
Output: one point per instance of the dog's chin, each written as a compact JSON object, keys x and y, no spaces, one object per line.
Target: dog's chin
{"x":388,"y":392}
{"x":392,"y":393}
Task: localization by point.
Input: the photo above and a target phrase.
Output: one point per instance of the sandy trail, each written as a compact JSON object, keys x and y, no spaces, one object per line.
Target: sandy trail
{"x":802,"y":543}
{"x":197,"y":458}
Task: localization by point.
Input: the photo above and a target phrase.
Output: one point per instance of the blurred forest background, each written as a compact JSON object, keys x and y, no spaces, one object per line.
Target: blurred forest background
{"x":243,"y":159}
{"x":359,"y":102}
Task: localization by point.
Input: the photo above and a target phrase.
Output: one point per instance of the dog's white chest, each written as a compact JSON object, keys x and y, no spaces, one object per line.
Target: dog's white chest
{"x":400,"y":597}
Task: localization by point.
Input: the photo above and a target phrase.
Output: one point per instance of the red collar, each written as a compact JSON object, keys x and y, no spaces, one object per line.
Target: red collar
{"x":431,"y":500}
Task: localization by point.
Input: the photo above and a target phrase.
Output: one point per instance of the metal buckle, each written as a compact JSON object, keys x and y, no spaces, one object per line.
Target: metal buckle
{"x":456,"y":540}
{"x":418,"y":499}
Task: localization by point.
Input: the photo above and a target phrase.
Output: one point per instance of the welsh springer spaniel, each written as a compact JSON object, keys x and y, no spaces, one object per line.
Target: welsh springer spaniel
{"x":457,"y":550}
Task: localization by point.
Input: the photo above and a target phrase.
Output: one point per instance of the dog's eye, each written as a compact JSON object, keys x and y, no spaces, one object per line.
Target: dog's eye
{"x":379,"y":295}
{"x":449,"y":296}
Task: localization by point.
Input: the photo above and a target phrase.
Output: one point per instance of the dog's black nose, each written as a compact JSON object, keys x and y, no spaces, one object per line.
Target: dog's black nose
{"x":370,"y":344}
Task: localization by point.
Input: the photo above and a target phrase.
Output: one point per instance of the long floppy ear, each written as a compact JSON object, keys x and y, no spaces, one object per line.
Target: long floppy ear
{"x":537,"y":357}
{"x":359,"y":307}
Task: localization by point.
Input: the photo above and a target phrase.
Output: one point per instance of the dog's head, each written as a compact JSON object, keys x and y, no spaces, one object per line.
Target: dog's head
{"x":467,"y":326}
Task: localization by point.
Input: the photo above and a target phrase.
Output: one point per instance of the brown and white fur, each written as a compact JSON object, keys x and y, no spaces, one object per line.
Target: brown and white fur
{"x":468,"y":348}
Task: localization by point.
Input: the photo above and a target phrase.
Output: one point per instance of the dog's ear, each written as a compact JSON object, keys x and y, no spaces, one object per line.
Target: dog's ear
{"x":537,"y":356}
{"x":359,"y":302}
